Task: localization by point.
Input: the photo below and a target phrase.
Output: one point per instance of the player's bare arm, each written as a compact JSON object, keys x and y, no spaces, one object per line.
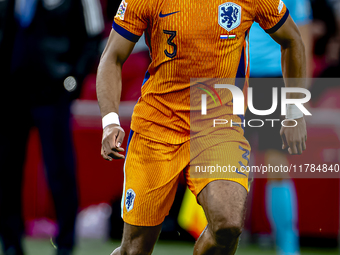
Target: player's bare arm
{"x":109,"y":87}
{"x":293,"y":66}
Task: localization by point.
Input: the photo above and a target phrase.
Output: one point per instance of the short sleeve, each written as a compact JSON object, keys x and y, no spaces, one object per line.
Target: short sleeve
{"x":131,"y":19}
{"x":271,"y":14}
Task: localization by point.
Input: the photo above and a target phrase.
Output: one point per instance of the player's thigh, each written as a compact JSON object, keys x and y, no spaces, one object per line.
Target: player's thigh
{"x":139,"y":240}
{"x":218,"y":177}
{"x":224,"y":203}
{"x":152,"y":170}
{"x":226,"y":160}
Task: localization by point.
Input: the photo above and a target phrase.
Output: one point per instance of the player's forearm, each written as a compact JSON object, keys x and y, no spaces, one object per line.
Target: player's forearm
{"x":109,"y":75}
{"x":109,"y":85}
{"x":307,"y":39}
{"x":294,"y":65}
{"x":293,"y":55}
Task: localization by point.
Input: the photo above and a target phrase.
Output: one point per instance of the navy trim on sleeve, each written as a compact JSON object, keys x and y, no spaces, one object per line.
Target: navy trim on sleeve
{"x":125,"y":33}
{"x":279,"y":24}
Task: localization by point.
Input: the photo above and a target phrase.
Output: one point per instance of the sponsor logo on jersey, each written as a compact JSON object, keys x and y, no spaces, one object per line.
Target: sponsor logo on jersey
{"x":121,"y":10}
{"x":280,"y":7}
{"x":229,"y":16}
{"x":130,"y":199}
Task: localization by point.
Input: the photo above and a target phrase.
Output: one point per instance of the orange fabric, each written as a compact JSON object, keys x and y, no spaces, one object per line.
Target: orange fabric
{"x":268,"y":13}
{"x":195,"y":51}
{"x":152,"y":171}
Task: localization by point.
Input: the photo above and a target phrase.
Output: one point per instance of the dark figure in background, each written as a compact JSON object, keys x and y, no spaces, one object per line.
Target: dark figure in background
{"x":47,"y":48}
{"x":327,"y":44}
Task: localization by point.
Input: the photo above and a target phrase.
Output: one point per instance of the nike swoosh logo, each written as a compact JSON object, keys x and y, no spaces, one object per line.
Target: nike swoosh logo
{"x":161,"y":15}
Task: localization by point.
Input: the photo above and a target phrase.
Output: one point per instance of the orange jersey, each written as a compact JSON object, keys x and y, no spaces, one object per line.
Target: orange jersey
{"x":190,"y":39}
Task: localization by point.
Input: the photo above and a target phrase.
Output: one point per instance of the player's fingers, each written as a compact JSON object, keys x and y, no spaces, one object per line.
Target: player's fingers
{"x":290,"y":151}
{"x":299,"y":148}
{"x":108,"y":147}
{"x":109,"y":154}
{"x":120,"y":149}
{"x":116,"y":155}
{"x":113,"y":139}
{"x":284,"y":141}
{"x":112,"y":152}
{"x":292,"y":148}
{"x":104,"y":155}
{"x":120,"y":136}
{"x":303,"y":144}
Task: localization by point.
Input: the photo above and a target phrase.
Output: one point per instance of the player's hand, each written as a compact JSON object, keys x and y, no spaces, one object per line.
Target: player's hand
{"x":294,"y":138}
{"x":113,"y":136}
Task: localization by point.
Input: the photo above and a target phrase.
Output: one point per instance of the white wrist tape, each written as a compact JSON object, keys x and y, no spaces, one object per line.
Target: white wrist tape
{"x":110,"y":118}
{"x":293,"y":112}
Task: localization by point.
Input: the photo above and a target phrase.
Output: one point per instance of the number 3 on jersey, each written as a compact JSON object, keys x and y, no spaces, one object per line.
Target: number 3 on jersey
{"x":171,"y":43}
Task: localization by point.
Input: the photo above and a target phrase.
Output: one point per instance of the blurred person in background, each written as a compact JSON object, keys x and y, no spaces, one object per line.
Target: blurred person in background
{"x":48,"y":48}
{"x":326,"y":35}
{"x":265,"y":62}
{"x":333,"y":48}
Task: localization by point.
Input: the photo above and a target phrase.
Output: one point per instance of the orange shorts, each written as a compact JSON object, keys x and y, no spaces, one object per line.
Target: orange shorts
{"x":152,"y":169}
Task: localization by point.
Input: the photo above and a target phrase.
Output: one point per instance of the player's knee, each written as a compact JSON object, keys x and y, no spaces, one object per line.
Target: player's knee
{"x":225,"y":232}
{"x":133,"y":250}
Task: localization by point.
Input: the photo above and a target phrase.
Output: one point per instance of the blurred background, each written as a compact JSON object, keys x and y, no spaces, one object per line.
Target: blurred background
{"x":98,"y":226}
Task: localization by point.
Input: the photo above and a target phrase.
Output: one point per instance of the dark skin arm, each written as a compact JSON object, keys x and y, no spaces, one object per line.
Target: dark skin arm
{"x":109,"y":87}
{"x":293,"y":66}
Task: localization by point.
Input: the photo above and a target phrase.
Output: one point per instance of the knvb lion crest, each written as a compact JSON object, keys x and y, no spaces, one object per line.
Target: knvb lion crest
{"x":130,"y":199}
{"x":229,"y":16}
